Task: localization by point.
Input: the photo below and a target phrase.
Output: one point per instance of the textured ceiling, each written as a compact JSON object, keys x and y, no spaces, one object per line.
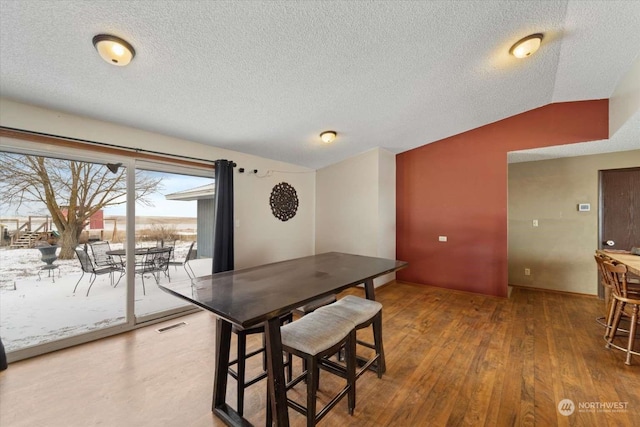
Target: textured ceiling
{"x":266,"y":77}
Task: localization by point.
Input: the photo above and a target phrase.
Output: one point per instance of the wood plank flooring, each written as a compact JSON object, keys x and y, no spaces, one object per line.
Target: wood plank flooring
{"x":453,"y":359}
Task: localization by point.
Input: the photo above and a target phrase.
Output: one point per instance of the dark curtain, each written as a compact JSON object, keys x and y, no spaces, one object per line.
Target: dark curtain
{"x":223,"y":227}
{"x":3,"y":357}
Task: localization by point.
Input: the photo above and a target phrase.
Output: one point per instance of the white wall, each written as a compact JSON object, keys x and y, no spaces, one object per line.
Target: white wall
{"x":355,"y":206}
{"x":260,"y":237}
{"x":625,"y":101}
{"x":386,"y":208}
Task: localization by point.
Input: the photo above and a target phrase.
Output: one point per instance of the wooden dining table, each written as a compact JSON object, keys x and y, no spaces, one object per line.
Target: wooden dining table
{"x":257,"y":295}
{"x":630,"y":260}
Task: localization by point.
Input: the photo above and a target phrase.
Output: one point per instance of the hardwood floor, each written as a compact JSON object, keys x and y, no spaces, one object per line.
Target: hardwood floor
{"x":453,"y":358}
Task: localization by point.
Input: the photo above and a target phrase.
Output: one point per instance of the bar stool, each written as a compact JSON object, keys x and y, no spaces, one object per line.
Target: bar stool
{"x":363,"y":312}
{"x":242,"y":356}
{"x":616,"y":275}
{"x":312,"y":338}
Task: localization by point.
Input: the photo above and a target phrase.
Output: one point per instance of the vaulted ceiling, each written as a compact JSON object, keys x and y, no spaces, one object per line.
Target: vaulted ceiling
{"x":266,"y":77}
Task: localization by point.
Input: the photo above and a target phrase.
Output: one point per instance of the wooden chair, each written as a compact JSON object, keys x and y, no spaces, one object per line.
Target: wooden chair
{"x":610,"y":302}
{"x":616,"y":276}
{"x":363,"y":313}
{"x":633,"y":289}
{"x":313,"y":338}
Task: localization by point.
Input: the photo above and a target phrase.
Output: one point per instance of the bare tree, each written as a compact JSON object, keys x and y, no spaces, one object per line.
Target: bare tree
{"x":72,"y":191}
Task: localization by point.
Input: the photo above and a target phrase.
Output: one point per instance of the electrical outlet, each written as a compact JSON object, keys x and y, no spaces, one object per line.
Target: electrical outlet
{"x":527,"y":272}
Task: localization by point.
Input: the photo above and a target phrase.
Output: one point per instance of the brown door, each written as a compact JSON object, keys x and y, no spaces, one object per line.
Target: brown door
{"x":619,"y":209}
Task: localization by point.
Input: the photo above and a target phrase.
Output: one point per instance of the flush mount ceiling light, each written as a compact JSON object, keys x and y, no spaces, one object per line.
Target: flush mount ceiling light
{"x":527,"y":46}
{"x":328,"y":136}
{"x":113,"y":49}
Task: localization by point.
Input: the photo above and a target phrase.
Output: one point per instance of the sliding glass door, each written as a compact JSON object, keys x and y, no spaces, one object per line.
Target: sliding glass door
{"x":52,"y":212}
{"x":75,"y":226}
{"x":176,"y":224}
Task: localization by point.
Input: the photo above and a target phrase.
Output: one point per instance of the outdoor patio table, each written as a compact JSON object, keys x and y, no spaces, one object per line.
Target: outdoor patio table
{"x":138,"y":251}
{"x":252,"y":296}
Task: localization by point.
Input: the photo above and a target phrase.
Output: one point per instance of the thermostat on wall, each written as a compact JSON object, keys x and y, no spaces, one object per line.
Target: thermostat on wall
{"x":584,"y":207}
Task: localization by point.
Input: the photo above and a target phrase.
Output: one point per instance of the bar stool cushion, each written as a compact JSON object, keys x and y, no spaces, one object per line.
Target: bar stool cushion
{"x":315,"y":332}
{"x":358,"y":310}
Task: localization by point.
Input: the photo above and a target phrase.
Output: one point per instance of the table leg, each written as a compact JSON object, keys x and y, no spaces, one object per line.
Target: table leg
{"x":369,"y":290}
{"x":223,"y":344}
{"x":370,"y":293}
{"x":275,"y":373}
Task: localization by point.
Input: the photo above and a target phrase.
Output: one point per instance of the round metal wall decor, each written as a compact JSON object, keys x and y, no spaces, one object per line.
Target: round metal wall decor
{"x":284,"y":201}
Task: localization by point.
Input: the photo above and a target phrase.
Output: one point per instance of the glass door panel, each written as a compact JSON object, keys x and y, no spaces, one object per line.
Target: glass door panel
{"x":51,"y":209}
{"x":175,"y":221}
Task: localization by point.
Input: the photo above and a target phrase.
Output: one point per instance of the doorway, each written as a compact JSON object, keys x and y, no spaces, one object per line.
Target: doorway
{"x":619,"y":210}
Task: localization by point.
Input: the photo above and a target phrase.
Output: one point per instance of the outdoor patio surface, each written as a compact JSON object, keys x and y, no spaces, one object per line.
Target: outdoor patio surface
{"x":34,"y":311}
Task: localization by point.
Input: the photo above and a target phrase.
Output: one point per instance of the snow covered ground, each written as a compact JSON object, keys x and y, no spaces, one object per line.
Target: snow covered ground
{"x":36,"y":311}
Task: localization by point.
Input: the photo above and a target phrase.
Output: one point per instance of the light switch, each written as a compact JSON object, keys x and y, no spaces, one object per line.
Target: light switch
{"x":535,"y":222}
{"x":237,"y":223}
{"x":442,"y":238}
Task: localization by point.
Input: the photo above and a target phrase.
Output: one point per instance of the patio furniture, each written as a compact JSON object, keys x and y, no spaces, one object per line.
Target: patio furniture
{"x":161,"y":259}
{"x":100,"y":256}
{"x":169,"y":244}
{"x":48,"y":257}
{"x":88,"y":266}
{"x":153,"y":261}
{"x":191,"y":255}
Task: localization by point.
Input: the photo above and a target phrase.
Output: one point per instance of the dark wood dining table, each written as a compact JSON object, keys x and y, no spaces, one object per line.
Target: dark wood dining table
{"x":252,"y":296}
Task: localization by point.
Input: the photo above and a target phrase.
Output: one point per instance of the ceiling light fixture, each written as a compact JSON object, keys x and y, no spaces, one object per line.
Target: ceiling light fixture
{"x":527,"y":46}
{"x":328,"y":136}
{"x":113,"y":49}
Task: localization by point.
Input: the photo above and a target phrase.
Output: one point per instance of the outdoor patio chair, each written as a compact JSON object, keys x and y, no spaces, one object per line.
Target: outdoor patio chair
{"x":88,"y":266}
{"x":191,"y":255}
{"x":161,"y":259}
{"x":172,"y":259}
{"x":153,"y":261}
{"x":100,"y":256}
{"x":144,"y":265}
{"x":169,"y":244}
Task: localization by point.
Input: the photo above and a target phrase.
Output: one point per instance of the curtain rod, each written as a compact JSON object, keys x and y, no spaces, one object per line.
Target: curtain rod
{"x":6,"y":131}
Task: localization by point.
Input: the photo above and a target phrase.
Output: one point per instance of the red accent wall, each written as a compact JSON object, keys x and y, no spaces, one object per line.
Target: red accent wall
{"x":457,"y":187}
